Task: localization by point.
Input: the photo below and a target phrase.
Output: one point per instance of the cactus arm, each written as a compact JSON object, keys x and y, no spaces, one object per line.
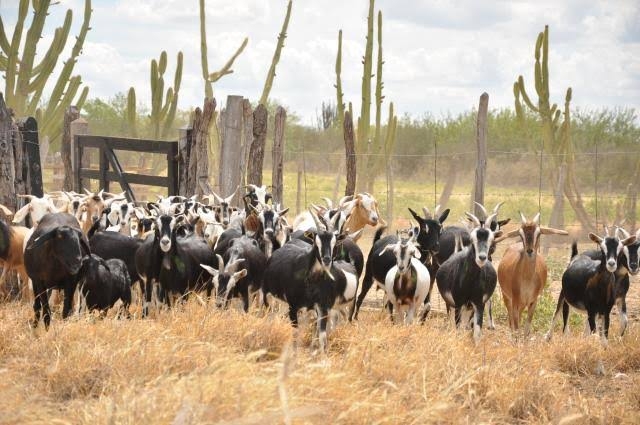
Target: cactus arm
{"x":545,"y":64}
{"x":517,"y":103}
{"x":57,"y":45}
{"x":162,"y":63}
{"x":365,"y":108}
{"x":53,"y":121}
{"x":12,"y":57}
{"x":4,"y":41}
{"x":65,"y":74}
{"x":208,"y":87}
{"x":167,"y":103}
{"x":276,"y":58}
{"x":379,"y":84}
{"x":82,"y":98}
{"x":524,"y":94}
{"x":226,"y":69}
{"x":28,"y":54}
{"x":338,"y":85}
{"x":391,"y":131}
{"x":178,"y":76}
{"x":170,"y":114}
{"x":3,"y":62}
{"x":131,"y":113}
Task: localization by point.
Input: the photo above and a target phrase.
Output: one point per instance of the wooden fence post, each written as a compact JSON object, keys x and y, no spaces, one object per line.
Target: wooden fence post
{"x":256,"y":153}
{"x":79,"y":127}
{"x":71,"y":114}
{"x":185,"y":143}
{"x":199,"y":157}
{"x":481,"y":161}
{"x":247,"y":138}
{"x":231,"y":149}
{"x":32,"y":169}
{"x":350,"y":151}
{"x":8,"y":131}
{"x":277,"y":155}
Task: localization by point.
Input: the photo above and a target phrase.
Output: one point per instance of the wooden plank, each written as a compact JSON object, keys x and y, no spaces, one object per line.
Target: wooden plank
{"x":7,"y":160}
{"x":115,"y":164}
{"x":256,"y":152}
{"x":231,"y":150}
{"x":79,"y":126}
{"x":104,"y":168}
{"x":135,"y":145}
{"x":481,"y":161}
{"x":172,"y":170}
{"x":29,"y":129}
{"x":71,"y":114}
{"x":350,"y":152}
{"x":132,"y":178}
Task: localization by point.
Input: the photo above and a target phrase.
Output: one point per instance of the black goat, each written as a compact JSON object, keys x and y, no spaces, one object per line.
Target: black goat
{"x":467,"y":279}
{"x":104,"y":282}
{"x":306,"y":276}
{"x":428,"y":239}
{"x":244,"y":272}
{"x":109,"y":245}
{"x":52,"y":258}
{"x":590,"y":285}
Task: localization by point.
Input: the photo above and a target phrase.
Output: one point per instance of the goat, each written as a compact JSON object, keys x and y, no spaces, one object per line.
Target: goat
{"x":113,"y":245}
{"x":52,"y":258}
{"x":304,"y":221}
{"x":172,"y":261}
{"x":223,"y":207}
{"x":590,"y":285}
{"x":242,"y":277}
{"x":407,"y":283}
{"x":362,"y":210}
{"x":306,"y":276}
{"x":522,"y":272}
{"x":428,"y":237}
{"x":256,"y":197}
{"x":12,"y":240}
{"x":451,"y":234}
{"x":271,"y":231}
{"x":103,"y":282}
{"x":467,"y":279}
{"x":35,"y":209}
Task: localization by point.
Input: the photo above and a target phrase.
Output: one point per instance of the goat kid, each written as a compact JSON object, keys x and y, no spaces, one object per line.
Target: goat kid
{"x":103,"y":282}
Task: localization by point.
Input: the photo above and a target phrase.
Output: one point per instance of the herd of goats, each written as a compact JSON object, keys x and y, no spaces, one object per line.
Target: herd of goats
{"x":101,"y":245}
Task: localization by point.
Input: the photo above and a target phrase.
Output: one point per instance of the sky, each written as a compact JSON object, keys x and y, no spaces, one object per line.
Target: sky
{"x":439,"y":56}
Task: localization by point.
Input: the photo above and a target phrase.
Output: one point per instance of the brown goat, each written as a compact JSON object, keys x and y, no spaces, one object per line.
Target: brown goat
{"x":522,"y":272}
{"x":362,"y":210}
{"x":11,"y":252}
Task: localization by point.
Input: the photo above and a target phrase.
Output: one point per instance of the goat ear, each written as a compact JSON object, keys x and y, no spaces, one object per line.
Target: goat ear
{"x":41,"y":239}
{"x":628,"y":241}
{"x":444,"y":215}
{"x":415,"y":215}
{"x":308,"y":234}
{"x":550,"y":231}
{"x":356,"y":235}
{"x":21,"y":214}
{"x":240,"y":274}
{"x":504,"y":222}
{"x":283,"y":212}
{"x":416,"y":253}
{"x":497,"y":234}
{"x":210,"y":270}
{"x":511,"y":234}
{"x":390,"y":246}
{"x":595,"y":238}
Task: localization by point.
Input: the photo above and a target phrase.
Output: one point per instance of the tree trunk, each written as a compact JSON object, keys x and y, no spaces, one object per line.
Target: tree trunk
{"x":481,"y":163}
{"x":350,"y":151}
{"x":256,"y":153}
{"x":278,"y":156}
{"x":247,"y":138}
{"x":231,"y":147}
{"x":199,"y":157}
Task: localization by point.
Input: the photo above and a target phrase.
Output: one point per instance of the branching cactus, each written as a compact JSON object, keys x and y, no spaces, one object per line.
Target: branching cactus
{"x":25,"y":79}
{"x":276,"y":58}
{"x":338,"y":85}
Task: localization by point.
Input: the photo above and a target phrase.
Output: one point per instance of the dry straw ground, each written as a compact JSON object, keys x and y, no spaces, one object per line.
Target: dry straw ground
{"x":196,"y":365}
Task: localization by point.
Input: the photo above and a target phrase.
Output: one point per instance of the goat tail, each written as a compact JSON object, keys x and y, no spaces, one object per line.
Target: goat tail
{"x":574,"y":249}
{"x":379,"y":233}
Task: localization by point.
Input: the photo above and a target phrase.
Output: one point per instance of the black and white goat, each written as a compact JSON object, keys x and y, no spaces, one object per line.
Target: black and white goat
{"x":591,"y":285}
{"x":103,"y":282}
{"x":306,"y":276}
{"x":379,"y":262}
{"x":242,"y":276}
{"x":407,"y":283}
{"x":467,"y":279}
{"x":273,"y":232}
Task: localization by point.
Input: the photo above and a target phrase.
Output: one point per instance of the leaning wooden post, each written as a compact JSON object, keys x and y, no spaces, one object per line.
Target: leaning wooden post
{"x":8,"y":131}
{"x":71,"y":114}
{"x":247,"y":138}
{"x":185,"y":143}
{"x":350,"y":151}
{"x":277,"y":155}
{"x":481,"y":161}
{"x":256,"y":152}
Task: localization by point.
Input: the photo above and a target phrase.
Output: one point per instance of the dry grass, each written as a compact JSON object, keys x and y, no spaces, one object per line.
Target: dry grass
{"x":194,"y":365}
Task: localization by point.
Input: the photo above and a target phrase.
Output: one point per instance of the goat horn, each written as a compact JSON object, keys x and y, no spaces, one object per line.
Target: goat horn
{"x":436,"y":211}
{"x":606,"y":230}
{"x":523,"y":218}
{"x":551,"y":231}
{"x":344,"y":200}
{"x":315,"y":220}
{"x":29,"y":197}
{"x":624,"y":233}
{"x":6,"y":210}
{"x":329,"y":202}
{"x":484,"y":210}
{"x":473,"y":218}
{"x":426,"y":213}
{"x":220,"y":263}
{"x":536,"y":219}
{"x":489,"y":220}
{"x":497,"y":207}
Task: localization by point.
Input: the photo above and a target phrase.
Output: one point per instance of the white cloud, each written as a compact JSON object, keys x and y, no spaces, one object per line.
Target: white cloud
{"x":439,"y":55}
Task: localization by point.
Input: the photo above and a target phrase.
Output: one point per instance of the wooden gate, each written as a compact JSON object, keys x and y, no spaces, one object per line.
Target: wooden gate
{"x":110,"y":169}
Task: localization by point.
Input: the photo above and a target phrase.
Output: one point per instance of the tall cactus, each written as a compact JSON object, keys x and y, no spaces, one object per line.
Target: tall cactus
{"x":162,"y":114}
{"x":338,"y":85}
{"x":25,"y":79}
{"x":210,"y":78}
{"x":363,"y":138}
{"x":556,"y":136}
{"x":276,"y":58}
